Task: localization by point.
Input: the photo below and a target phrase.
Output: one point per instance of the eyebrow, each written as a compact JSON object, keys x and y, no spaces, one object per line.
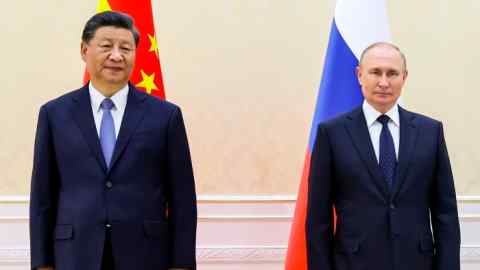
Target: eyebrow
{"x":387,"y":69}
{"x":123,"y":41}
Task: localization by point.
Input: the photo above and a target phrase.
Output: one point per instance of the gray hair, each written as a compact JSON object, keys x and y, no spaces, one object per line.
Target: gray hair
{"x":386,"y":44}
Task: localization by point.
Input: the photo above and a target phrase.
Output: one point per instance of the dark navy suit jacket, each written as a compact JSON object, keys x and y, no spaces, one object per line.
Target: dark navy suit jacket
{"x":378,"y":228}
{"x":74,"y":196}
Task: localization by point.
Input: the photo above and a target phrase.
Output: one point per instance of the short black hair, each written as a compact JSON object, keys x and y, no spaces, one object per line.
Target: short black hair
{"x":109,"y":18}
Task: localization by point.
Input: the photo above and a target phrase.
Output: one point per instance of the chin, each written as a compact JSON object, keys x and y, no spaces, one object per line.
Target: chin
{"x":385,"y":101}
{"x":116,"y":80}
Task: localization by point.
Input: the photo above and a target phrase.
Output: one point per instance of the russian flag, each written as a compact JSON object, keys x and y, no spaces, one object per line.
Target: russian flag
{"x":356,"y":25}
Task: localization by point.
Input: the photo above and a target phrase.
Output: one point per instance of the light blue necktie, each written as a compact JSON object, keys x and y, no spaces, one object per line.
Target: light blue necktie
{"x":107,"y":130}
{"x":388,"y":159}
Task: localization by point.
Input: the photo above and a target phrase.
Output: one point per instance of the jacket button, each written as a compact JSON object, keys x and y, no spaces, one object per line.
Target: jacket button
{"x":392,"y":206}
{"x":108,"y":225}
{"x":109,"y":184}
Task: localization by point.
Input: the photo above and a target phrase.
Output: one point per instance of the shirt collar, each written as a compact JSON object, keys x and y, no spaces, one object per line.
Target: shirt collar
{"x":371,"y":114}
{"x":119,"y":99}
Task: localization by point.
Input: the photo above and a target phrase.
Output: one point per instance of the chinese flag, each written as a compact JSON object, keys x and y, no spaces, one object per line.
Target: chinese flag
{"x":146,"y":75}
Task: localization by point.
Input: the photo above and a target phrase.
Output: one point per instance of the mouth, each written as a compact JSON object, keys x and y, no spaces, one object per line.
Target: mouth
{"x":383,"y":94}
{"x":115,"y":69}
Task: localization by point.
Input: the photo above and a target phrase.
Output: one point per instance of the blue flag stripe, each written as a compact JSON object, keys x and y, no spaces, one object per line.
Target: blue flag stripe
{"x":339,"y":90}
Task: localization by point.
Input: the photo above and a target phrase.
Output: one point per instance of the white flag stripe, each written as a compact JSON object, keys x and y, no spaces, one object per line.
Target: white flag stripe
{"x":362,"y":22}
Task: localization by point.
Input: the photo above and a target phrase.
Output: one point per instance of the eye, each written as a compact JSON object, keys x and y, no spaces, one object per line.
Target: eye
{"x":392,"y":73}
{"x":376,"y":72}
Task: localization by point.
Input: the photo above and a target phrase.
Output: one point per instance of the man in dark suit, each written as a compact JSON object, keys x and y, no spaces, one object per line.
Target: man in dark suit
{"x":112,"y":182}
{"x":387,"y":173}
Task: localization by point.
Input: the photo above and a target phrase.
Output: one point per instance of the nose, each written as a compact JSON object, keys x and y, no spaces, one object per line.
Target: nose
{"x":383,"y":82}
{"x":116,"y":55}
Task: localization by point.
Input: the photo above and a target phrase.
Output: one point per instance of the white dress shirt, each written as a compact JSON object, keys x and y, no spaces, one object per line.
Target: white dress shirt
{"x":375,"y":127}
{"x":119,"y":99}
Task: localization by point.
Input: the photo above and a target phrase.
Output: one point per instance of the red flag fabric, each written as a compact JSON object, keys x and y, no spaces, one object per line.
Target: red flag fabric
{"x":147,"y":74}
{"x":297,"y":251}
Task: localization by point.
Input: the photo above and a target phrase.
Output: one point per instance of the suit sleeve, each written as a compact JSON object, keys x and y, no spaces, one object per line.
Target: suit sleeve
{"x":319,"y":225}
{"x":444,"y":213}
{"x":182,"y":199}
{"x":43,"y":195}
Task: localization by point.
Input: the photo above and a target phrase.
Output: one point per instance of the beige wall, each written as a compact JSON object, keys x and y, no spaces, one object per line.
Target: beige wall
{"x":246,"y":74}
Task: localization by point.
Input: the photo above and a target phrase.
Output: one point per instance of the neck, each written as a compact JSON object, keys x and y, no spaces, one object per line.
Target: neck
{"x":108,"y":89}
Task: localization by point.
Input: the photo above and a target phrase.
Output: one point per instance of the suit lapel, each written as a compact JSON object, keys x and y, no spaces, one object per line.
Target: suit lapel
{"x":134,"y":112}
{"x":358,"y":130}
{"x":83,"y":116}
{"x":408,"y":136}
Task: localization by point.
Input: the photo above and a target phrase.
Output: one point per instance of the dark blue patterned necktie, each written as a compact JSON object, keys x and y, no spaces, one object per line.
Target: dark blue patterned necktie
{"x":388,"y":159}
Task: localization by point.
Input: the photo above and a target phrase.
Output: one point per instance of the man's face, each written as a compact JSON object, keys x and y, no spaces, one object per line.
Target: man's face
{"x":382,"y":75}
{"x":110,"y":56}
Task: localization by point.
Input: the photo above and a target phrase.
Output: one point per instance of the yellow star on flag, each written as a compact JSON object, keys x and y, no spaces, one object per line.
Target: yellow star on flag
{"x":153,"y":44}
{"x":148,"y":82}
{"x":103,"y":5}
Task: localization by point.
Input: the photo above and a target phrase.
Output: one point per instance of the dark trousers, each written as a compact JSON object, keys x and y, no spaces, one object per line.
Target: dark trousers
{"x":107,"y":259}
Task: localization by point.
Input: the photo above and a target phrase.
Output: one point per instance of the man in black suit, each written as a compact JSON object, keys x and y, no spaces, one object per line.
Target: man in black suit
{"x":387,"y":173}
{"x":112,"y":182}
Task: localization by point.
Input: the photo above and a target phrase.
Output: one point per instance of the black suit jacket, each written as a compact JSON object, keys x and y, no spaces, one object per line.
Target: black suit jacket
{"x":379,"y":229}
{"x":147,"y":196}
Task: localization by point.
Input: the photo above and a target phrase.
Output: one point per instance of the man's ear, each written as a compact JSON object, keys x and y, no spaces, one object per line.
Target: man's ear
{"x":83,"y":50}
{"x":358,"y":72}
{"x":405,"y":75}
